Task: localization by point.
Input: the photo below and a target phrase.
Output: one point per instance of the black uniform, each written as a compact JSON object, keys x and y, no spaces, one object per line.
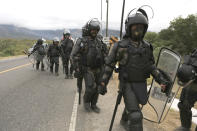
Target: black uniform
{"x":54,"y":53}
{"x":91,"y":53}
{"x":39,"y":48}
{"x":189,"y":94}
{"x":136,"y":63}
{"x":66,"y":46}
{"x":79,"y":75}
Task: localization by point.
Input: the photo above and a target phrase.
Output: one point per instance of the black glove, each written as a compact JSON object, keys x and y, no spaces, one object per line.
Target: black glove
{"x":102,"y":89}
{"x":165,"y":79}
{"x":29,"y":54}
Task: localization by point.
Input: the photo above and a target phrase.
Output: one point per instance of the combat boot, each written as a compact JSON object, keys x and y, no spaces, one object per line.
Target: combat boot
{"x":37,"y":66}
{"x":95,"y":108}
{"x":71,"y":76}
{"x":66,"y":76}
{"x":42,"y":67}
{"x":87,"y":107}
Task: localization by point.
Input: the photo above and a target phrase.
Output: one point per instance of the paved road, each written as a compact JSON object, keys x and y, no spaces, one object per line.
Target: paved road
{"x":32,"y":100}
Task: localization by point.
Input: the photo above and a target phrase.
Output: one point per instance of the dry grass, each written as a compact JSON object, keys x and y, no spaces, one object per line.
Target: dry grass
{"x":172,"y":121}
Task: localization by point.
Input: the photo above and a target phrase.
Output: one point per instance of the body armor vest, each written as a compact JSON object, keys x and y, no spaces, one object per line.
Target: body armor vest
{"x":41,"y":50}
{"x":55,"y":51}
{"x":67,"y":46}
{"x":139,"y":62}
{"x":92,"y":54}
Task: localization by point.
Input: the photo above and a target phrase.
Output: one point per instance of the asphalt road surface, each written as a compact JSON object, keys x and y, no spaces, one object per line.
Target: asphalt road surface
{"x":32,"y":100}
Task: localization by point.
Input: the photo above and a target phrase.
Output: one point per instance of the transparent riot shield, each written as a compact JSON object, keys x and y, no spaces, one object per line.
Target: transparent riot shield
{"x":46,"y":62}
{"x":159,"y":103}
{"x":32,"y":58}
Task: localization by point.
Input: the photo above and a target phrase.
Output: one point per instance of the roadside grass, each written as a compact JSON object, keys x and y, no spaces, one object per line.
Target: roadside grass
{"x":14,"y":47}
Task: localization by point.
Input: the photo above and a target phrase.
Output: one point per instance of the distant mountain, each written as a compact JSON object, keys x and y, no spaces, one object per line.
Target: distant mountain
{"x":11,"y":31}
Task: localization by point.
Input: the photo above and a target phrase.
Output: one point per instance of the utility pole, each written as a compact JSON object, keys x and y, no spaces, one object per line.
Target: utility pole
{"x":107,"y":18}
{"x":101,"y":17}
{"x":122,"y":17}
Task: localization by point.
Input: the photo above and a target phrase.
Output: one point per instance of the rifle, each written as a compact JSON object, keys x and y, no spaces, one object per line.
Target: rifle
{"x":79,"y":91}
{"x":79,"y":76}
{"x":118,"y":100}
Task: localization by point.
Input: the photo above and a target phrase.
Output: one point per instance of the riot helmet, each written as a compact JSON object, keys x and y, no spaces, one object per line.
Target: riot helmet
{"x":84,"y":30}
{"x":39,"y":41}
{"x":186,"y":73}
{"x":136,"y":24}
{"x":56,"y":40}
{"x":66,"y":33}
{"x":93,"y":27}
{"x":43,"y":39}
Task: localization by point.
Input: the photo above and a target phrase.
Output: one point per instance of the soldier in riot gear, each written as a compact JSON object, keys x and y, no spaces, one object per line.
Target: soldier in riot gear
{"x":136,"y":64}
{"x":53,"y":54}
{"x":79,"y":74}
{"x":187,"y":73}
{"x":66,"y":46}
{"x":91,"y":51}
{"x":40,"y":53}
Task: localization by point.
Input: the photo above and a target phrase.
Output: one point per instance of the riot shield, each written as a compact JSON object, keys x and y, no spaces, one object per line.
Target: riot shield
{"x":158,"y":102}
{"x":46,"y":62}
{"x":32,"y":58}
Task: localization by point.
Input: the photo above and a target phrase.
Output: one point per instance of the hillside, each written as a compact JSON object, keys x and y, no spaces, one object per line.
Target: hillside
{"x":14,"y":32}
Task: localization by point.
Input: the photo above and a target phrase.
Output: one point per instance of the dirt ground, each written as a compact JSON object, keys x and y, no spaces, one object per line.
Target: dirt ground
{"x":101,"y":122}
{"x":172,"y":121}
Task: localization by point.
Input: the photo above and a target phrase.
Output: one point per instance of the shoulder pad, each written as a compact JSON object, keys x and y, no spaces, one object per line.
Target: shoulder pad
{"x":123,"y":43}
{"x":80,"y":42}
{"x":99,"y":39}
{"x":148,"y":44}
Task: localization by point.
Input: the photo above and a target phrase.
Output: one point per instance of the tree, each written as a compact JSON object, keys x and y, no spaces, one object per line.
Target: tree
{"x":181,"y":34}
{"x":151,"y":37}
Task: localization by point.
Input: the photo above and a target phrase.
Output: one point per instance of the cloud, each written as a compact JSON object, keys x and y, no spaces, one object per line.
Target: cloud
{"x":55,"y":14}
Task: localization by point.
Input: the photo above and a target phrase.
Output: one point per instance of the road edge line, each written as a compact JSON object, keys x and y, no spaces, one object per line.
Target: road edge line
{"x":74,"y":113}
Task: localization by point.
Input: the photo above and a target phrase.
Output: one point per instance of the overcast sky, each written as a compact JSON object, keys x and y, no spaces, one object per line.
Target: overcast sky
{"x":56,"y":14}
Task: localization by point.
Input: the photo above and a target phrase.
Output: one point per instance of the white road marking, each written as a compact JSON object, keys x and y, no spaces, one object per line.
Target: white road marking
{"x":74,"y":113}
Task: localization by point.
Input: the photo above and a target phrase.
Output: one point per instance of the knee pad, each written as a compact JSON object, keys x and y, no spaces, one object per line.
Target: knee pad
{"x":135,"y":117}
